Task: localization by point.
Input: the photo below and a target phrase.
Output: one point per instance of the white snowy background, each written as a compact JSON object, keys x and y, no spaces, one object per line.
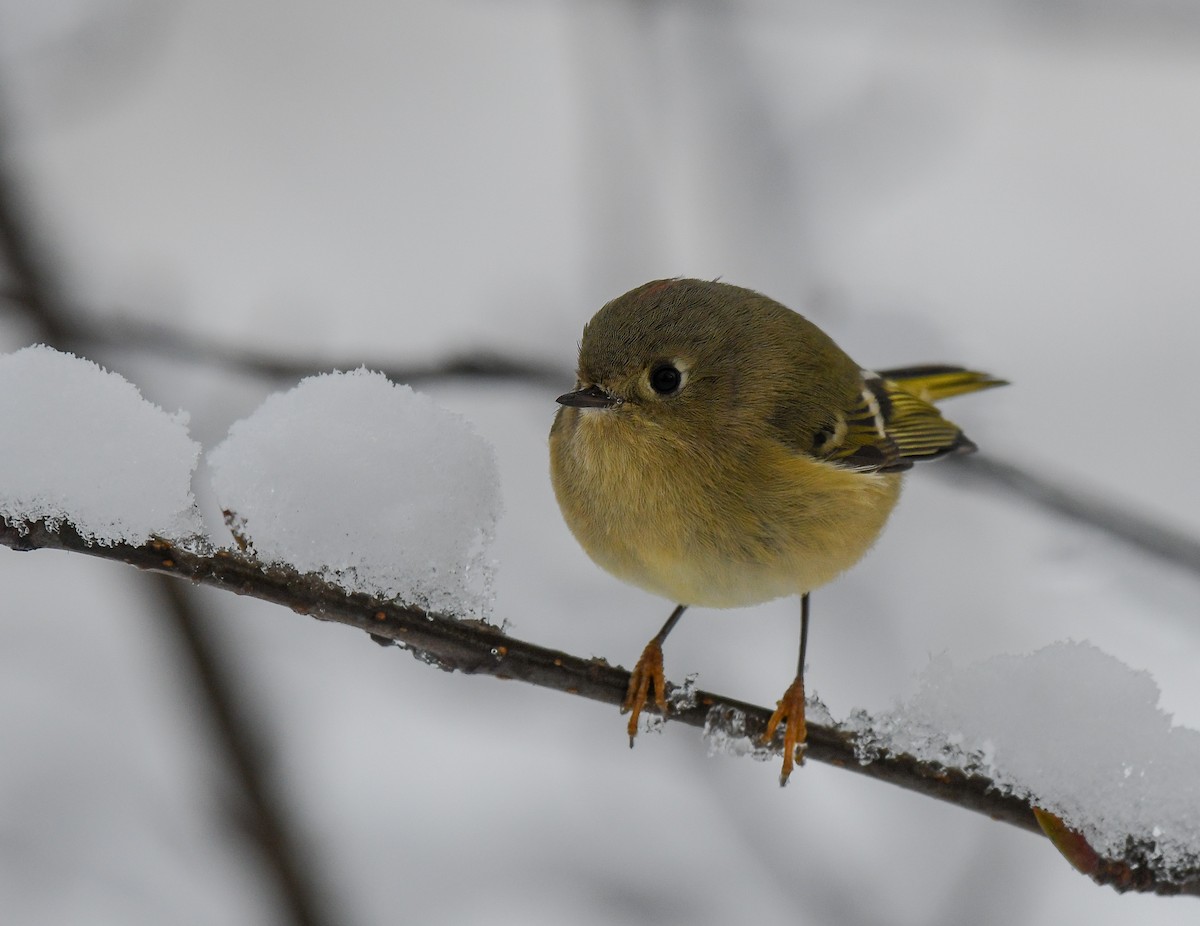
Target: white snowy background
{"x":999,"y":184}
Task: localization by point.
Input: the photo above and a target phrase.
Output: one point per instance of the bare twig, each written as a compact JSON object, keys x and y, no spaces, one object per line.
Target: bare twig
{"x":1119,"y":521}
{"x":162,"y":340}
{"x":125,"y":333}
{"x":34,"y":292}
{"x":476,"y":648}
{"x":259,"y":811}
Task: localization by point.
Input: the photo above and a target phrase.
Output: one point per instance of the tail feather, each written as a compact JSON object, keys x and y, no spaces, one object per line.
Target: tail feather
{"x":932,"y":383}
{"x":895,"y":424}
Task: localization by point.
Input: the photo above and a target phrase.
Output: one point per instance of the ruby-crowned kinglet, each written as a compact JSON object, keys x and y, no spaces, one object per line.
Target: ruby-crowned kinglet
{"x":721,"y":450}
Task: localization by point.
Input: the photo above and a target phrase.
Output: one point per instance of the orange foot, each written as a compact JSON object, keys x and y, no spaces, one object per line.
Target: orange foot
{"x":648,"y":672}
{"x":789,"y":710}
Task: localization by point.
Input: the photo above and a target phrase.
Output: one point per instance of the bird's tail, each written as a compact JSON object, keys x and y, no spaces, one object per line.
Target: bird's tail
{"x":932,"y":383}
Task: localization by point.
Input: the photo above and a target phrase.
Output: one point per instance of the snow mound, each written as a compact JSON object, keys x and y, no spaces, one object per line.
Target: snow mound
{"x":369,"y":484}
{"x":1068,"y":728}
{"x":81,"y":445}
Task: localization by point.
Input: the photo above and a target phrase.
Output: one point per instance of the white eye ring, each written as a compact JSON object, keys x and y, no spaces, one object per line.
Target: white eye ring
{"x":667,"y":378}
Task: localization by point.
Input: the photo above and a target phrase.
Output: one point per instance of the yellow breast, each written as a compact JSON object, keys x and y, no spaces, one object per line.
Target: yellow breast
{"x":726,"y":525}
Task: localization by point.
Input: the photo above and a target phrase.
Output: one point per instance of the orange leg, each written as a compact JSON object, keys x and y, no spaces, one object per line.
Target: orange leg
{"x":789,"y":710}
{"x":647,"y":675}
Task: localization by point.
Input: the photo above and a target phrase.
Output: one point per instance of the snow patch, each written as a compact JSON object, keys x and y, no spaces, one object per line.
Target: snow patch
{"x":81,"y":445}
{"x":1068,"y":728}
{"x":369,"y":484}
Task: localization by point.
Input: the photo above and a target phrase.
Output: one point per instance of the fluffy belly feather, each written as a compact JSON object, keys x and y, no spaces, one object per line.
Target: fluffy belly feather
{"x":724,"y":526}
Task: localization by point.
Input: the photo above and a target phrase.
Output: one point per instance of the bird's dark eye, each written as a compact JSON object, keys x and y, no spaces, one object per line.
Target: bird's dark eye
{"x":665,"y":379}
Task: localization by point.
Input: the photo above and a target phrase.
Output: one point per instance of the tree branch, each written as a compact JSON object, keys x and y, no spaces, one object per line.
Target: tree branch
{"x":1123,"y":522}
{"x":126,"y":333}
{"x":476,"y":648}
{"x":259,"y":809}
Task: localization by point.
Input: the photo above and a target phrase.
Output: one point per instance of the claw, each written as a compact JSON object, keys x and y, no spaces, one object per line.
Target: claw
{"x":789,"y":710}
{"x":647,"y":674}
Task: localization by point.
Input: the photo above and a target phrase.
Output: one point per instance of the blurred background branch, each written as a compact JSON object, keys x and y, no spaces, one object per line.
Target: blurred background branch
{"x":1066,"y":497}
{"x":158,"y":339}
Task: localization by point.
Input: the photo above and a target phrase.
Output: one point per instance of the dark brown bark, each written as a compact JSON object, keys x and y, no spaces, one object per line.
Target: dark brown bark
{"x":476,"y":648}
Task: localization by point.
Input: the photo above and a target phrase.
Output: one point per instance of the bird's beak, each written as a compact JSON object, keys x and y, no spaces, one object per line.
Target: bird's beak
{"x":591,"y":397}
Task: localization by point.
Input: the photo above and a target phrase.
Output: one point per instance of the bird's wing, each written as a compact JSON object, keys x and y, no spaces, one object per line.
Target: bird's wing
{"x":893,"y":422}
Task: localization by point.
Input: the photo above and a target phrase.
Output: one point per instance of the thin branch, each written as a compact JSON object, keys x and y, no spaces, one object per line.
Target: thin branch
{"x":162,"y":340}
{"x":475,"y":648}
{"x":1119,"y":521}
{"x":263,"y":816}
{"x":126,"y":333}
{"x":35,"y":292}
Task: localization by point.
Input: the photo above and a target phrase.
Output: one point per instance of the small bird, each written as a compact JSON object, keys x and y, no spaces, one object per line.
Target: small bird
{"x":720,"y":450}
